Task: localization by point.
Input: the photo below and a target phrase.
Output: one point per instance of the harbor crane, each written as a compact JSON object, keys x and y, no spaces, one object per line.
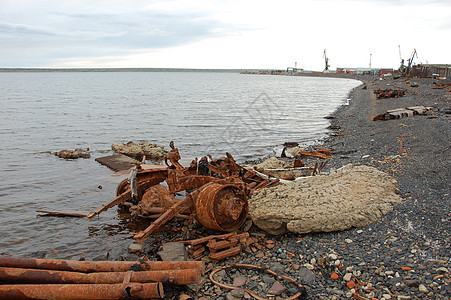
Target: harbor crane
{"x":326,"y":60}
{"x":406,"y":68}
{"x":412,"y":56}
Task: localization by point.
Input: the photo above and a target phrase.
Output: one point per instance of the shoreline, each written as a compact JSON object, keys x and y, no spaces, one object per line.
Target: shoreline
{"x":416,"y":234}
{"x":406,"y":254}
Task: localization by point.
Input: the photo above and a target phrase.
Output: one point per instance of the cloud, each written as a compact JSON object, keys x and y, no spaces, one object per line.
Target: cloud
{"x":112,"y":29}
{"x":217,"y":33}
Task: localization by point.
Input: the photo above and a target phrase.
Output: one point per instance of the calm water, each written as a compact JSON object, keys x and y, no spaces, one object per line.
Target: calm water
{"x":246,"y":115}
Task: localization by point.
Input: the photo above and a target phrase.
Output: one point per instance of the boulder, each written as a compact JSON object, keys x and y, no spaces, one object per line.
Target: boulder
{"x":353,"y":196}
{"x":137,"y":151}
{"x":73,"y":154}
{"x":272,"y":163}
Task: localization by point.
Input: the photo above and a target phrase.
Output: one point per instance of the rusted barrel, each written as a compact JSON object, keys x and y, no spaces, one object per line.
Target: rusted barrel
{"x":221,"y":207}
{"x":82,"y":291}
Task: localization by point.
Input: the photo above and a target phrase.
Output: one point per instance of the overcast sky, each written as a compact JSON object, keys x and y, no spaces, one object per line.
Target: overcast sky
{"x":222,"y":34}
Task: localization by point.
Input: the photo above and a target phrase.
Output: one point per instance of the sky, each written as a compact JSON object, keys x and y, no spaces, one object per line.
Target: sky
{"x":214,"y":34}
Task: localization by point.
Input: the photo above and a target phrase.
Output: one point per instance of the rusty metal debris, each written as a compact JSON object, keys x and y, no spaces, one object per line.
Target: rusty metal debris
{"x":439,"y":86}
{"x":95,"y":266}
{"x":60,"y":214}
{"x":301,"y":290}
{"x":315,"y":154}
{"x":216,"y":192}
{"x":28,"y":278}
{"x":33,"y":276}
{"x":399,"y":113}
{"x":219,"y":246}
{"x":389,"y":93}
{"x":82,"y":291}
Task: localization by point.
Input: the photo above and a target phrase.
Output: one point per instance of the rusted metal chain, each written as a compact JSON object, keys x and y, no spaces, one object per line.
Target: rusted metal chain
{"x":248,"y":266}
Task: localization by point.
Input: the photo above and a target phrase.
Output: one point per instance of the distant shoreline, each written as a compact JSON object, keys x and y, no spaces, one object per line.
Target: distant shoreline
{"x":137,"y":70}
{"x":26,"y":70}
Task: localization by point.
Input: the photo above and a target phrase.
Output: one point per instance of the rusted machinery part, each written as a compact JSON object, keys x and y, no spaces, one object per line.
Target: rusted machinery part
{"x":23,"y":276}
{"x":96,"y":266}
{"x":154,"y":174}
{"x":157,"y":196}
{"x":221,"y":207}
{"x":125,"y":196}
{"x":178,"y":181}
{"x":247,"y":266}
{"x":180,"y":206}
{"x":82,"y":291}
{"x":122,"y":187}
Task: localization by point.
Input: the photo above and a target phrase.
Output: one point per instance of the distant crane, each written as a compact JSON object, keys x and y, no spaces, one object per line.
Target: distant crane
{"x":403,"y":68}
{"x":412,"y":56}
{"x":326,"y":60}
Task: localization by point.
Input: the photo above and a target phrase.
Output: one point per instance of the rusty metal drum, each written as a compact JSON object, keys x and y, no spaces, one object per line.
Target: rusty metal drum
{"x":221,"y":207}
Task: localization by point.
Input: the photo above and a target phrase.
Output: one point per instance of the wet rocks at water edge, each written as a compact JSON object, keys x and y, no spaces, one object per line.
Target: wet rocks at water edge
{"x":73,"y":154}
{"x":138,"y":151}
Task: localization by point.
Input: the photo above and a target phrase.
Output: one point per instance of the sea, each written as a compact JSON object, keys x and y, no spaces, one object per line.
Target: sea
{"x":202,"y":112}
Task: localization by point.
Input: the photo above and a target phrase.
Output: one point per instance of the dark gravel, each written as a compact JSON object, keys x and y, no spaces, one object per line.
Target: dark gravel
{"x":405,"y":255}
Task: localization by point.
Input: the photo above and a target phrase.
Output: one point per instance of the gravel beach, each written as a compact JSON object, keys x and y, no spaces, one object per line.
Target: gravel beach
{"x":406,"y":254}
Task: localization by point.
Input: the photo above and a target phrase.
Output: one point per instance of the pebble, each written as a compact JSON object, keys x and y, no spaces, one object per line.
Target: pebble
{"x":321,"y":261}
{"x":306,"y":276}
{"x":135,"y":248}
{"x":230,"y":296}
{"x":239,"y":281}
{"x":423,"y":289}
{"x":347,"y":276}
{"x":268,"y":279}
{"x":276,"y":289}
{"x":238,"y":293}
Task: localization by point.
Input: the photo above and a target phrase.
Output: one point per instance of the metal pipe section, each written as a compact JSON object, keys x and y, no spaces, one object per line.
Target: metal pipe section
{"x":96,"y":266}
{"x":22,"y":276}
{"x":82,"y":291}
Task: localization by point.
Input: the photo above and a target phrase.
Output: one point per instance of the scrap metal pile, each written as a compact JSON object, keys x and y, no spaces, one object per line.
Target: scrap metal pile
{"x":403,"y":112}
{"x":28,"y":278}
{"x":216,"y":192}
{"x":389,"y":93}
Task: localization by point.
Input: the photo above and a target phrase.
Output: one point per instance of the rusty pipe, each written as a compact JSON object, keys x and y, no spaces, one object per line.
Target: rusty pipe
{"x":95,"y":266}
{"x":82,"y":291}
{"x":18,"y":275}
{"x":156,"y":216}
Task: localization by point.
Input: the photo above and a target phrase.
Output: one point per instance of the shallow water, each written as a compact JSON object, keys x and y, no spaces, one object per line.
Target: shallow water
{"x":246,"y":115}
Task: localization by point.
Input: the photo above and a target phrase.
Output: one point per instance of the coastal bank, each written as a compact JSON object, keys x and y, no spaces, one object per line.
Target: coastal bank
{"x":406,"y":254}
